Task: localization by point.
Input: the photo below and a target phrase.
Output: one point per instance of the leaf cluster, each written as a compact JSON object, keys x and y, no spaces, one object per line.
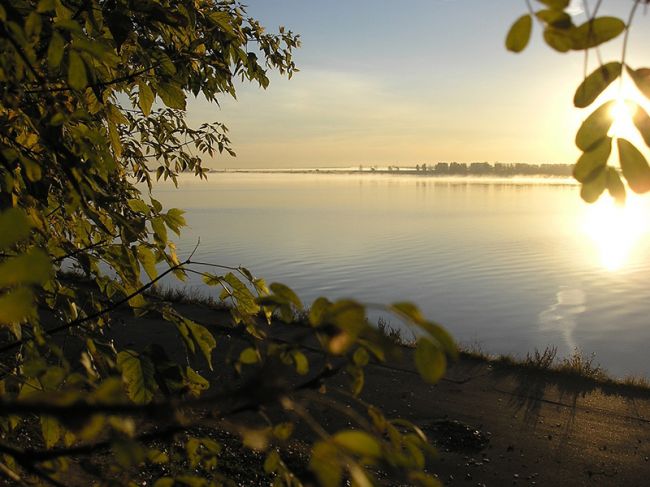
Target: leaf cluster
{"x":593,"y":137}
{"x":92,"y":112}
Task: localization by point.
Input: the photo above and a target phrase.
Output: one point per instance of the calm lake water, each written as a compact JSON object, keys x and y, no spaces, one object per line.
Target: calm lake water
{"x":506,"y":265}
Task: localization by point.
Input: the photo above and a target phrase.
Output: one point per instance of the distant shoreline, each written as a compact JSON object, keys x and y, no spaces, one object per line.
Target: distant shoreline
{"x":549,"y":171}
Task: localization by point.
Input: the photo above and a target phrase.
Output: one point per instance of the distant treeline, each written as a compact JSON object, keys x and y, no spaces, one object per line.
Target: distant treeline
{"x":481,"y":168}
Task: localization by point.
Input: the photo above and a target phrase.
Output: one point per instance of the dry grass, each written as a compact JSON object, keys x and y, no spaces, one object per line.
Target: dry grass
{"x":395,"y":335}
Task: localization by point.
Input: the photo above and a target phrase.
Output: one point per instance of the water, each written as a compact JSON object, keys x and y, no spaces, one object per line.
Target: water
{"x":508,"y":265}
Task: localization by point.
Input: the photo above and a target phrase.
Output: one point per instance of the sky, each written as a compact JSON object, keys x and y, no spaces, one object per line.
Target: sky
{"x":409,"y":82}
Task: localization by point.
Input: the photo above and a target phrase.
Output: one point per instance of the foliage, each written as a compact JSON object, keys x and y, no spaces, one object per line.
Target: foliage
{"x":92,"y":112}
{"x":594,"y":138}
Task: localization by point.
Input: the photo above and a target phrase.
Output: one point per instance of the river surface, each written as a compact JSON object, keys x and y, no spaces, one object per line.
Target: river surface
{"x":507,"y":266}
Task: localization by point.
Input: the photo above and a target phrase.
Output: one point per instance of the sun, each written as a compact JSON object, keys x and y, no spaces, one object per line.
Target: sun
{"x":627,"y":98}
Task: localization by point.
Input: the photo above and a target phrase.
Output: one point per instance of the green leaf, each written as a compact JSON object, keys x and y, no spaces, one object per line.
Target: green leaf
{"x":358,"y":442}
{"x":361,"y":357}
{"x":641,"y":78}
{"x":615,"y":186}
{"x":440,"y":335}
{"x":301,"y":362}
{"x":249,"y":356}
{"x":145,"y":98}
{"x":148,"y":261}
{"x":16,"y":305}
{"x":51,"y":431}
{"x":45,"y":6}
{"x":246,"y":302}
{"x":138,"y":206}
{"x":409,"y":311}
{"x":324,"y":462}
{"x":595,"y":127}
{"x":430,"y":360}
{"x":55,"y":50}
{"x":642,"y":122}
{"x":34,"y":267}
{"x":77,"y":78}
{"x":286,"y":294}
{"x":203,"y":338}
{"x":283,"y":431}
{"x":519,"y":34}
{"x":634,"y":166}
{"x":159,"y":230}
{"x":593,"y":161}
{"x":558,"y":39}
{"x":175,"y":220}
{"x":594,"y":84}
{"x":14,"y":227}
{"x":138,"y":375}
{"x":172,"y":95}
{"x":318,"y":311}
{"x":594,"y":187}
{"x":596,"y":31}
{"x":555,"y":4}
{"x":555,"y":18}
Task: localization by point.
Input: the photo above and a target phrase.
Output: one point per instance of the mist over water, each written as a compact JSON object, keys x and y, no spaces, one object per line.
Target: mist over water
{"x":508,"y":265}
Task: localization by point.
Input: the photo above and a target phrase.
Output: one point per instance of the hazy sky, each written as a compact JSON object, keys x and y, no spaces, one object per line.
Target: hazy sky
{"x":405,"y":82}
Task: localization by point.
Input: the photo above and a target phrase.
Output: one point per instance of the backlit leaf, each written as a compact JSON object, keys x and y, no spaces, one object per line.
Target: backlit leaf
{"x":597,"y":31}
{"x":55,"y":50}
{"x":325,"y":464}
{"x":593,"y":161}
{"x":595,"y":84}
{"x":145,"y":98}
{"x":246,"y":302}
{"x":138,"y":375}
{"x":16,"y":305}
{"x":51,"y":431}
{"x":249,"y":356}
{"x":77,"y":77}
{"x":555,"y":18}
{"x":634,"y":166}
{"x":594,"y":187}
{"x":442,"y":336}
{"x":203,"y":338}
{"x":555,"y":4}
{"x":301,"y":362}
{"x":558,"y":39}
{"x":430,"y":360}
{"x":14,"y":227}
{"x":642,"y":122}
{"x":358,"y":442}
{"x":615,"y":186}
{"x":595,"y":127}
{"x":519,"y":34}
{"x":641,"y":78}
{"x":159,"y":229}
{"x":408,"y":310}
{"x":286,"y":293}
{"x":318,"y":311}
{"x":148,"y":261}
{"x":138,"y":205}
{"x":33,"y":267}
{"x":172,"y":95}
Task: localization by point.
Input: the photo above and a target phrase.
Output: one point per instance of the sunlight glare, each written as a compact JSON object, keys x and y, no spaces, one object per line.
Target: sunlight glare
{"x":615,"y":229}
{"x":622,"y":114}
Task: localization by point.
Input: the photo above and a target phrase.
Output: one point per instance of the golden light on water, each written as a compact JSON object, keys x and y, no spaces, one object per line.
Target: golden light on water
{"x":616,"y":230}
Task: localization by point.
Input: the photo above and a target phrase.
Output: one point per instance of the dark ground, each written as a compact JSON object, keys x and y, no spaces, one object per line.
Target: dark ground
{"x":493,"y":426}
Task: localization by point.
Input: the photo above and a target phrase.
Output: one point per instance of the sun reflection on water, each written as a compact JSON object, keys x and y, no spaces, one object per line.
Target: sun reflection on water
{"x":616,"y":229}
